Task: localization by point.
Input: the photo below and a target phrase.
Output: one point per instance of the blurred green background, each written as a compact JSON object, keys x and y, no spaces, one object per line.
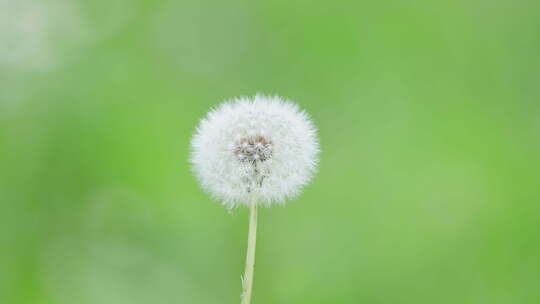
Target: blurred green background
{"x":429,"y":118}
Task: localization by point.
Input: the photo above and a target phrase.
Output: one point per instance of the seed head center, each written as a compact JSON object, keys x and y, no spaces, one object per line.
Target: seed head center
{"x":253,"y":149}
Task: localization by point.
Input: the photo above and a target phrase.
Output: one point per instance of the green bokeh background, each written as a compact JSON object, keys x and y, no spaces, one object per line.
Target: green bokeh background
{"x":429,"y":120}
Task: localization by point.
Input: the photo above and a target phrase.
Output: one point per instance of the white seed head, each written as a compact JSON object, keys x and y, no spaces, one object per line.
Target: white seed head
{"x":262,"y":149}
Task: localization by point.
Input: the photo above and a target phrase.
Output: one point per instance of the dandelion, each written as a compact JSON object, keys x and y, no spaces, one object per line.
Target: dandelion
{"x":254,"y":151}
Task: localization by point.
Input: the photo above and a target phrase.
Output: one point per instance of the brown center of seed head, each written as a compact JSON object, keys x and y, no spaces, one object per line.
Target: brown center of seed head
{"x":253,"y":149}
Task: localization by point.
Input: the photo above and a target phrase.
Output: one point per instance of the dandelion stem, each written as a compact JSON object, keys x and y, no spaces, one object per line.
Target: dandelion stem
{"x":247,"y":279}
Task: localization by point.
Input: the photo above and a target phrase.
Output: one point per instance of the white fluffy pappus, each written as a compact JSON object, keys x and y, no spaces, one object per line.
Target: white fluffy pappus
{"x":260,"y":149}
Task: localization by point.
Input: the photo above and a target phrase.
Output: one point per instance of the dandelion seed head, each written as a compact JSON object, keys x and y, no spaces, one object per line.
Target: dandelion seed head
{"x":260,"y":148}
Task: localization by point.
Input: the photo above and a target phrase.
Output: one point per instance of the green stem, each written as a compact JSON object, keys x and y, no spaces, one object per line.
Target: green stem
{"x":247,"y":279}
